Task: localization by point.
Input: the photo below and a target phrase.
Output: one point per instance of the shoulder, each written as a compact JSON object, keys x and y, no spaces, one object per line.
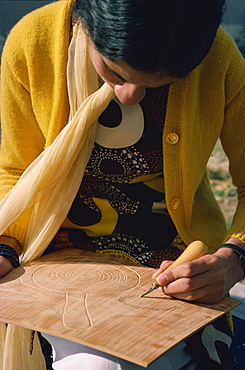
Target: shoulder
{"x":48,"y":14}
{"x":40,"y":28}
{"x":224,"y":52}
{"x":224,"y":66}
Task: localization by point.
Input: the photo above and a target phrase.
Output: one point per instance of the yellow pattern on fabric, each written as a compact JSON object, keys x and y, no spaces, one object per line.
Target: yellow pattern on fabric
{"x":178,"y":243}
{"x":118,"y":254}
{"x":145,"y":178}
{"x":105,"y":226}
{"x":155,"y":184}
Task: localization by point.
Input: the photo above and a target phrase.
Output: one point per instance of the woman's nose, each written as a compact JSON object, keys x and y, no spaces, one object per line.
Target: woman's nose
{"x":129,"y":94}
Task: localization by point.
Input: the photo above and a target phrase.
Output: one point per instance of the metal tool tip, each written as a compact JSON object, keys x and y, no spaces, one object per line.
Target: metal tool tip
{"x":148,"y":291}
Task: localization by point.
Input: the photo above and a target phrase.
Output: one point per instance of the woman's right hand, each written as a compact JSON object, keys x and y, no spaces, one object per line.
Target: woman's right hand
{"x":5,"y":266}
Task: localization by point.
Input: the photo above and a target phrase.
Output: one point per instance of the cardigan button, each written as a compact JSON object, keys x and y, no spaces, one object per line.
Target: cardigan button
{"x":172,"y":138}
{"x":175,"y":203}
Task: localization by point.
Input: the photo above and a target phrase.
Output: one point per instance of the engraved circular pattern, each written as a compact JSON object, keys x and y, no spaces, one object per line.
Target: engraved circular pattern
{"x":83,"y":278}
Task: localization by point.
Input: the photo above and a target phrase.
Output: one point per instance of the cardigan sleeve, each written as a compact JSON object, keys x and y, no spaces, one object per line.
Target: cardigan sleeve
{"x":233,"y":136}
{"x":34,"y":105}
{"x":233,"y":139}
{"x":22,"y":140}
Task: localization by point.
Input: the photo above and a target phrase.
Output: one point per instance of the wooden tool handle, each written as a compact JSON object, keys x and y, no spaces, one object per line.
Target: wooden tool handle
{"x":194,"y":250}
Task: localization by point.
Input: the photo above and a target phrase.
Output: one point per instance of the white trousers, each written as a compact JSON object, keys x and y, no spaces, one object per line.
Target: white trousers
{"x":69,"y":355}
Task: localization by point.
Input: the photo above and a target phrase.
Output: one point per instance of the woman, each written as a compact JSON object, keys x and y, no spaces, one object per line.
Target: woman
{"x":178,"y":81}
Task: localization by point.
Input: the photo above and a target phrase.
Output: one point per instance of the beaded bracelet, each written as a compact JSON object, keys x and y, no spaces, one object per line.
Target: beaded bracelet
{"x":9,"y":253}
{"x":239,"y":251}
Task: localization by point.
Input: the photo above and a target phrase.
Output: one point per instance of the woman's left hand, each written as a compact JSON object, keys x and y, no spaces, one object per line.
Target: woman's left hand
{"x":207,"y":279}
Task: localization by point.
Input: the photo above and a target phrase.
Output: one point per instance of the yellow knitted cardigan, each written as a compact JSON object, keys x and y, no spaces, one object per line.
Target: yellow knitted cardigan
{"x":207,"y":104}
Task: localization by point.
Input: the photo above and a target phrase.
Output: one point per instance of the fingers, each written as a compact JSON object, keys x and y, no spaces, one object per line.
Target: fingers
{"x":201,"y":295}
{"x":201,"y":280}
{"x":164,"y":265}
{"x":167,"y":274}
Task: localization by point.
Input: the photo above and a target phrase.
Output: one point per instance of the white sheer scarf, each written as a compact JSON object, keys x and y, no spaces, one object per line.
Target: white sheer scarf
{"x":51,"y":182}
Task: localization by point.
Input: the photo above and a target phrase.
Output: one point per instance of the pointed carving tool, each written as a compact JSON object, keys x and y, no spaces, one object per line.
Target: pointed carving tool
{"x":194,"y":250}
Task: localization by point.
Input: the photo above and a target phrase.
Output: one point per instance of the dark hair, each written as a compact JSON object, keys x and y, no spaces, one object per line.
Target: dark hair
{"x":172,"y":36}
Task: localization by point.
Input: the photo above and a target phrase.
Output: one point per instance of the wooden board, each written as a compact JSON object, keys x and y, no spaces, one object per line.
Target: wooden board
{"x":94,"y":299}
